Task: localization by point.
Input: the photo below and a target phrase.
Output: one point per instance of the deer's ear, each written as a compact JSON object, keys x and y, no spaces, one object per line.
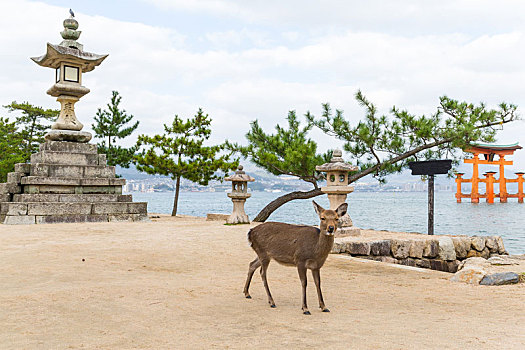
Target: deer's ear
{"x":341,"y":210}
{"x":318,"y":208}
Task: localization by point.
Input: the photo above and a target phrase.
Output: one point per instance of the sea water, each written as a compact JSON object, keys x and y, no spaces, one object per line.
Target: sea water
{"x":392,"y":211}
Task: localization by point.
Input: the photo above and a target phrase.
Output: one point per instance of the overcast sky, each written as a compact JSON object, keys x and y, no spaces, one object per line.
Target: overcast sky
{"x":246,"y":60}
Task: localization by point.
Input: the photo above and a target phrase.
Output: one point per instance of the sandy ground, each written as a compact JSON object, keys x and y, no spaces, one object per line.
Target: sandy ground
{"x":176,"y":283}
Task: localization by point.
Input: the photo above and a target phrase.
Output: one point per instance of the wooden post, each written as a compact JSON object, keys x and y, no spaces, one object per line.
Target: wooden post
{"x":474,"y":194}
{"x":520,"y":187}
{"x":430,"y":204}
{"x":502,"y":181}
{"x":490,"y":186}
{"x":458,"y":182}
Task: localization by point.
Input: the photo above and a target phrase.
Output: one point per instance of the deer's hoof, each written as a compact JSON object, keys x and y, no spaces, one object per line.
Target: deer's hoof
{"x":306,"y":312}
{"x":273,"y":306}
{"x":326,"y":310}
{"x":248,"y":296}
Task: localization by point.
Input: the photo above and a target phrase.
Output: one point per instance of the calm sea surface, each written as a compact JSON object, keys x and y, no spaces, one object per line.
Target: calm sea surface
{"x":393,"y":211}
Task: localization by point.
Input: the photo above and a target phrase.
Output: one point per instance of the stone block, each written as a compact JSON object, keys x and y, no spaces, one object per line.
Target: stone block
{"x":99,"y":171}
{"x":357,"y":248}
{"x":23,"y":168}
{"x":120,"y":217}
{"x":9,"y":188}
{"x":16,"y":209}
{"x":58,"y":208}
{"x":97,"y":190}
{"x":471,"y":275}
{"x":19,"y":220}
{"x":380,"y":247}
{"x":491,"y":244}
{"x":70,"y":218}
{"x":87,"y":198}
{"x":452,"y":266}
{"x":446,"y":248}
{"x":400,"y":248}
{"x":220,"y":217}
{"x":65,"y":158}
{"x":499,"y":279}
{"x":14,"y":177}
{"x":501,"y":246}
{"x":39,"y":169}
{"x":6,"y":197}
{"x":477,"y":243}
{"x":58,"y":181}
{"x":424,"y":263}
{"x":124,"y":198}
{"x":120,"y":208}
{"x":53,"y":189}
{"x":94,"y":182}
{"x":25,"y":197}
{"x":102,"y":159}
{"x":407,"y":262}
{"x":416,"y":249}
{"x":67,"y":135}
{"x":141,"y":218}
{"x":431,"y":248}
{"x":462,"y":246}
{"x":439,"y":265}
{"x":117,"y":182}
{"x":72,"y":147}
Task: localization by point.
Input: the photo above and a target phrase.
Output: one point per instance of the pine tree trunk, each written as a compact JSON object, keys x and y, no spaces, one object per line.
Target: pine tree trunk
{"x":265,"y":213}
{"x":176,"y":199}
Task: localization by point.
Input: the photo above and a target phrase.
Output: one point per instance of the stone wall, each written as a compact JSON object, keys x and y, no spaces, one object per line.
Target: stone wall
{"x":443,"y":253}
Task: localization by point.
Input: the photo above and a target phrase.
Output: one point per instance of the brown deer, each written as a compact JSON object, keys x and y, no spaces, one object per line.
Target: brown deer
{"x":306,"y":247}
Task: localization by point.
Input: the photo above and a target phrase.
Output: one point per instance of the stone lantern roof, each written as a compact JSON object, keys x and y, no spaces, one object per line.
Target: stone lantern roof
{"x":336,"y":164}
{"x":240,"y":176}
{"x":69,"y":50}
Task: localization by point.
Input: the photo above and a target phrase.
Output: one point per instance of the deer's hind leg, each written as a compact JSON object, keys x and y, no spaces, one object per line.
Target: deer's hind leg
{"x":254,"y":265}
{"x":264,"y":266}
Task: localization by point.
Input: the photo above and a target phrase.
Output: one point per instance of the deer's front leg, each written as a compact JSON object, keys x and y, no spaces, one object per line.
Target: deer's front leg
{"x":301,"y":268}
{"x":317,"y":279}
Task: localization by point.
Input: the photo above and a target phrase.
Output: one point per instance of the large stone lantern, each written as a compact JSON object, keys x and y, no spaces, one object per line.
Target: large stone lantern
{"x":337,"y":187}
{"x":69,"y":61}
{"x":239,"y":194}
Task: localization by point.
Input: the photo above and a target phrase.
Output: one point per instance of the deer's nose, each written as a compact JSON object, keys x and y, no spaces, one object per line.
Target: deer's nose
{"x":331,"y":229}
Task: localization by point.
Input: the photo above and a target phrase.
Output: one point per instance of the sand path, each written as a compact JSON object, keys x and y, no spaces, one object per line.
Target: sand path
{"x":176,"y":283}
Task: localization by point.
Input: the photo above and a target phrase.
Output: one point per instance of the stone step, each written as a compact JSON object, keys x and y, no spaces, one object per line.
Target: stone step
{"x":68,"y":158}
{"x":64,"y":146}
{"x":24,"y":168}
{"x":70,"y":218}
{"x":70,"y":198}
{"x":58,"y":189}
{"x":60,"y":208}
{"x":14,"y":177}
{"x":72,"y":181}
{"x":10,"y":188}
{"x":77,"y":171}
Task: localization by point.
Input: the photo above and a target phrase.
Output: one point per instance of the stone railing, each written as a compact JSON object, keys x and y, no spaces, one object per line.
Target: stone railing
{"x":443,"y":253}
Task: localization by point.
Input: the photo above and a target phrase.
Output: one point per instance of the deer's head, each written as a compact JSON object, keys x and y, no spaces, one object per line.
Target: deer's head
{"x":329,"y":218}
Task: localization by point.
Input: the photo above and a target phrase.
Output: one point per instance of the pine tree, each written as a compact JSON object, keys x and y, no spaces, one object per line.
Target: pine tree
{"x":33,"y":123}
{"x":180,"y":153}
{"x":379,"y":144}
{"x":110,"y":126}
{"x":10,"y":151}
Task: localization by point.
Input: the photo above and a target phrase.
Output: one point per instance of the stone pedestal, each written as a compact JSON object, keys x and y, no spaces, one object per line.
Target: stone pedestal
{"x":66,"y":182}
{"x":238,"y":216}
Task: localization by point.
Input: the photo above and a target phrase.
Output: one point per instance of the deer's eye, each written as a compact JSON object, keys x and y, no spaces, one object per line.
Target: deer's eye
{"x":323,"y":219}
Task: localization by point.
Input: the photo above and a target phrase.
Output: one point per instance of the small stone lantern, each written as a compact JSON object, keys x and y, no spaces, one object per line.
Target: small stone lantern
{"x":337,"y":188}
{"x":69,"y":61}
{"x":239,"y":194}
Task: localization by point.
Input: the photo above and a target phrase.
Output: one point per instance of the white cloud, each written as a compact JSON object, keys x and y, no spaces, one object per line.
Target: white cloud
{"x":262,"y":72}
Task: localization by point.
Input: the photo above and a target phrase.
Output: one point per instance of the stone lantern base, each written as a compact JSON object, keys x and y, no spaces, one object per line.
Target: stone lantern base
{"x":66,"y":182}
{"x":238,"y":216}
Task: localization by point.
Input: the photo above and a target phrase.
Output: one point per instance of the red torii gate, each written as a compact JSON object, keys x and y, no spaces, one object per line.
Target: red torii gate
{"x":489,"y":151}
